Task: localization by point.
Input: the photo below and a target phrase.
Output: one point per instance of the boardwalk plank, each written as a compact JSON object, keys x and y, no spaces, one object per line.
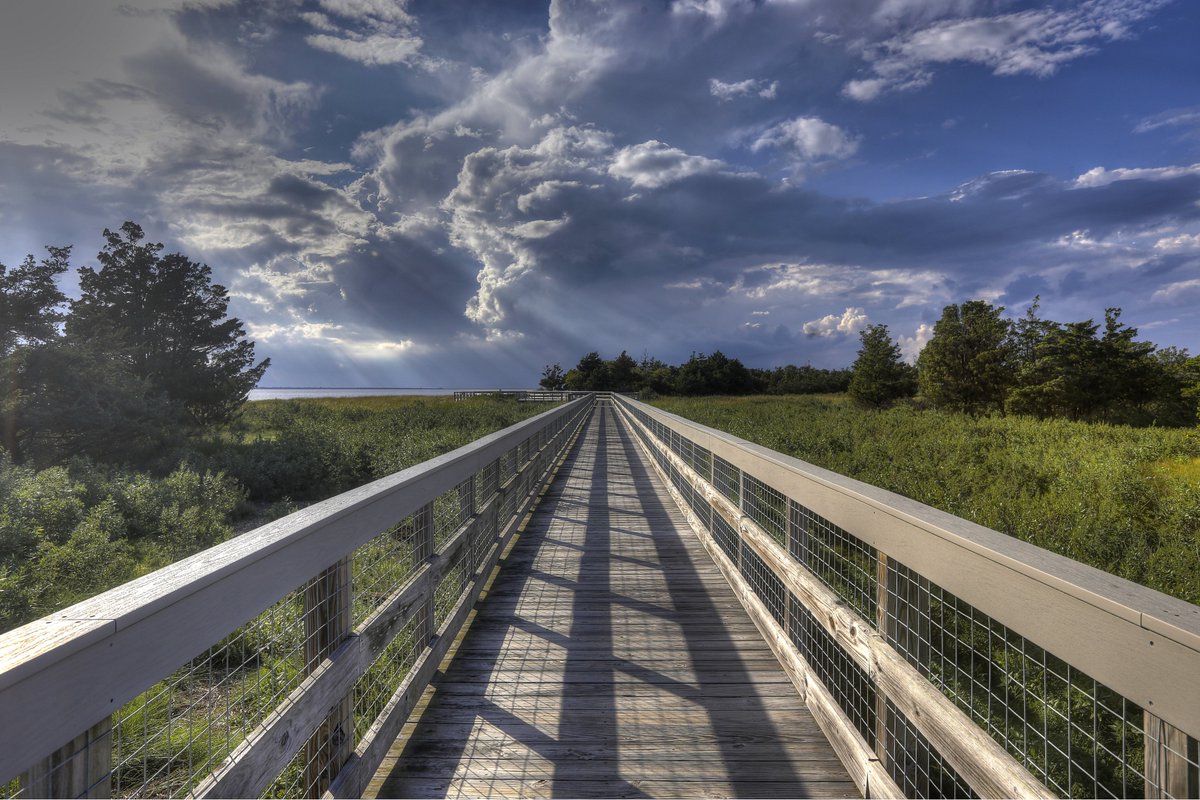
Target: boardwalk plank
{"x":610,"y":659}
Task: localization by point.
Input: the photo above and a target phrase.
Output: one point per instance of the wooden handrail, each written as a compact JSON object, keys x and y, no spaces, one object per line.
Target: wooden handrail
{"x":61,"y":674}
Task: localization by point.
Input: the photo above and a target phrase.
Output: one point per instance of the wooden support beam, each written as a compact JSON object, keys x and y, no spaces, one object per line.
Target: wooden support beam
{"x":328,"y":620}
{"x":80,"y":768}
{"x":1171,"y":760}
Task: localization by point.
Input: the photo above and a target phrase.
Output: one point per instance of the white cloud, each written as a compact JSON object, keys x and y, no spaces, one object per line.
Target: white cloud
{"x":751,"y":86}
{"x":807,"y":140}
{"x":1174,"y":118}
{"x":760,"y":313}
{"x":1178,"y":292}
{"x":1183,"y":243}
{"x":852,"y":320}
{"x":911,"y":346}
{"x":1099,"y":176}
{"x":380,"y":32}
{"x":1031,"y":42}
{"x":653,"y":164}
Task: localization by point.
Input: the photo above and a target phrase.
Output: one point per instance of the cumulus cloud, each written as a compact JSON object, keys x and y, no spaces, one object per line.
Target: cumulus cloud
{"x":852,"y":320}
{"x":653,"y":164}
{"x":371,"y":32}
{"x":1032,"y":42}
{"x":911,"y":346}
{"x":750,"y":87}
{"x":807,"y":140}
{"x":1178,"y":292}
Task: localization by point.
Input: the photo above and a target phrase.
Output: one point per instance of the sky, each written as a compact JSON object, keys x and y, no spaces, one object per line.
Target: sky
{"x":455,"y":193}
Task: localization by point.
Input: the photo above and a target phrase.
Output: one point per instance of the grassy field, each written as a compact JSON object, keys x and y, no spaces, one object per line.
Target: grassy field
{"x":1125,"y":500}
{"x":71,"y":531}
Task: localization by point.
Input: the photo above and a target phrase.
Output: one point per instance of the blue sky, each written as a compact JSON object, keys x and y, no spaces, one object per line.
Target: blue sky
{"x":457,"y":193}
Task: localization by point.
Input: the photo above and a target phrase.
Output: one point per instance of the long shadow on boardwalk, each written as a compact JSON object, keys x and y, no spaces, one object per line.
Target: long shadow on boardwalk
{"x":610,"y":659}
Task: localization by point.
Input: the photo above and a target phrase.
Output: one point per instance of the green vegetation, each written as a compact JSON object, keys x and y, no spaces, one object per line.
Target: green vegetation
{"x":70,"y":531}
{"x":879,"y":376}
{"x":701,"y":374}
{"x":1122,"y":499}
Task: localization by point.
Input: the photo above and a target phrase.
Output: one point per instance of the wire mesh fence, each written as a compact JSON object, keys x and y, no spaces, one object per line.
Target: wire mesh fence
{"x":1075,"y":735}
{"x":187,"y":727}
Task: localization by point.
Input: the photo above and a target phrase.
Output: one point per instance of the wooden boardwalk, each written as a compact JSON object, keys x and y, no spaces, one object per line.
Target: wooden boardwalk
{"x":610,"y":659}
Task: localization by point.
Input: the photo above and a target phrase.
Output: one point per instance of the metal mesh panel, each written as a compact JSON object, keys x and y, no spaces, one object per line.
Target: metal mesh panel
{"x":844,"y":563}
{"x":702,"y":462}
{"x":765,"y":584}
{"x":844,"y":679}
{"x":727,"y":538}
{"x":382,"y":565}
{"x":727,"y":480}
{"x":915,"y":766}
{"x":767,"y":507}
{"x":174,"y":734}
{"x":1071,"y":732}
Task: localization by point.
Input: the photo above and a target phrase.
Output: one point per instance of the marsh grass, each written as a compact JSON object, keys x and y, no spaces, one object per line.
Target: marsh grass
{"x":1125,"y":500}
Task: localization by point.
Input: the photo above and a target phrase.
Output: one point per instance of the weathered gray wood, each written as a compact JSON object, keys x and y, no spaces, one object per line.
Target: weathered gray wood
{"x":252,"y":767}
{"x":853,"y":752}
{"x":1171,"y":764}
{"x":328,"y":602}
{"x":80,"y":768}
{"x":574,"y":644}
{"x":358,"y":770}
{"x":981,"y":761}
{"x":1138,"y":642}
{"x":127,"y":638}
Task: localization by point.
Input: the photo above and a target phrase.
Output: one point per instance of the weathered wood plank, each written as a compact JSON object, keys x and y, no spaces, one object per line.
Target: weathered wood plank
{"x":580,"y":664}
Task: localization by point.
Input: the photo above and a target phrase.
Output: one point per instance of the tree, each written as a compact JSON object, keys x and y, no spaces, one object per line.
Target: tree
{"x":879,"y":375}
{"x":623,"y":373}
{"x":30,"y":304}
{"x":967,"y":364}
{"x":590,"y":374}
{"x":30,"y":301}
{"x":552,"y":378}
{"x":164,"y":318}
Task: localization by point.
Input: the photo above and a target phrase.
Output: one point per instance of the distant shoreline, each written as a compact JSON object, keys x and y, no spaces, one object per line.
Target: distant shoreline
{"x":295,"y":392}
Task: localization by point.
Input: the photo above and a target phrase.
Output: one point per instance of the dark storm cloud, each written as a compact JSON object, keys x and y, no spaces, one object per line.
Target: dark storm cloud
{"x":398,"y":192}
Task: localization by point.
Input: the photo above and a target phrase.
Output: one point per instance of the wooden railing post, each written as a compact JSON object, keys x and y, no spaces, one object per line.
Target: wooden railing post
{"x":80,"y":768}
{"x":328,"y":619}
{"x":1171,"y":758}
{"x":881,"y":624}
{"x":425,"y":546}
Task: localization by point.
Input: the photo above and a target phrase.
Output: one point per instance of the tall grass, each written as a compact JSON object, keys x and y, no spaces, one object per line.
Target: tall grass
{"x":1125,"y":500}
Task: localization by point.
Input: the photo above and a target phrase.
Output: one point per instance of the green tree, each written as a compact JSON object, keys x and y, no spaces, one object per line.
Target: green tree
{"x":553,"y":378}
{"x":30,"y":312}
{"x":713,"y":374}
{"x":590,"y":374}
{"x":30,"y":302}
{"x":967,"y":364}
{"x":623,"y":373}
{"x":880,"y":376}
{"x":165,"y":318}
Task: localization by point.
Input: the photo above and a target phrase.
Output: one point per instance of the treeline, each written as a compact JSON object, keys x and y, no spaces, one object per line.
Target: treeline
{"x":702,"y":374}
{"x":979,"y":362}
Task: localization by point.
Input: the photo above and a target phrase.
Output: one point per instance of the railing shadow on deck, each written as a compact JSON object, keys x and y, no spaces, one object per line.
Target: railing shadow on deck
{"x":587,"y":741}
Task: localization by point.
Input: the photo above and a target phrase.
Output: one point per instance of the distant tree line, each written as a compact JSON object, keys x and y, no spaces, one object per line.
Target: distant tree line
{"x":145,"y":355}
{"x":702,"y":374}
{"x":979,"y":362}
